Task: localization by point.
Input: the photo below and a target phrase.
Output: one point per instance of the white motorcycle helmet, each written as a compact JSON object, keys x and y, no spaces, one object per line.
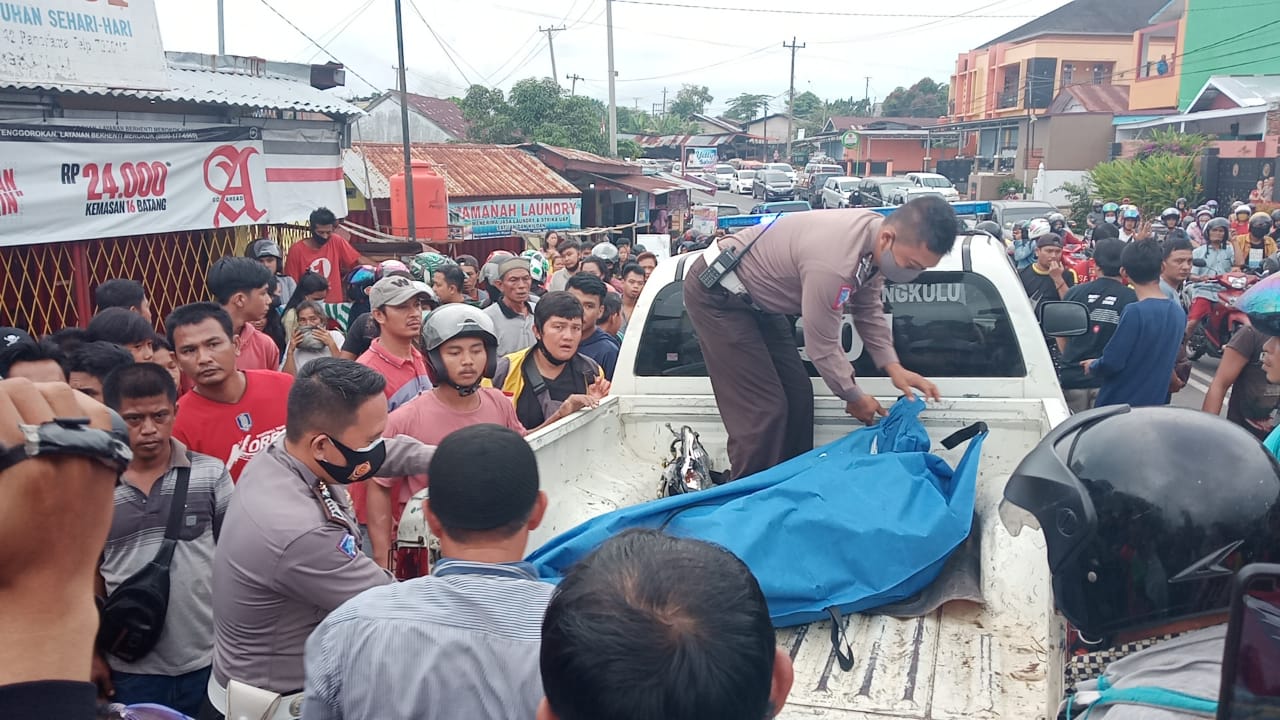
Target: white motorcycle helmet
{"x":1038,"y":227}
{"x":415,"y":549}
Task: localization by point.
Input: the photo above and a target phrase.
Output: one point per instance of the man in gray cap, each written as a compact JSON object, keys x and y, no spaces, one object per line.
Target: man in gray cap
{"x":267,"y":252}
{"x":513,"y":313}
{"x":462,"y":642}
{"x":289,"y":551}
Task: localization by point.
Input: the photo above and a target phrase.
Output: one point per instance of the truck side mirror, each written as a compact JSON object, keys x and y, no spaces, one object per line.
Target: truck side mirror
{"x":1061,"y":318}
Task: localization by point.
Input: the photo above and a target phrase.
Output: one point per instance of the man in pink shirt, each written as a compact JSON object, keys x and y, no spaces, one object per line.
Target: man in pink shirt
{"x":462,"y":350}
{"x":396,"y":304}
{"x":240,"y":285}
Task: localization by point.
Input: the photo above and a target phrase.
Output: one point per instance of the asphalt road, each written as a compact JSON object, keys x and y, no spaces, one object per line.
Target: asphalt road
{"x":1192,"y":395}
{"x":724,"y":197}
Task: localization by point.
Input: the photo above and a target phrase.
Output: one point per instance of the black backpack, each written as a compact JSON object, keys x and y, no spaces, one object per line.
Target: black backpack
{"x":133,"y":616}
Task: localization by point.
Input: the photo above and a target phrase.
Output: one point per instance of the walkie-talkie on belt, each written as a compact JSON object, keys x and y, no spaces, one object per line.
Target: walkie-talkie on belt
{"x":726,"y":261}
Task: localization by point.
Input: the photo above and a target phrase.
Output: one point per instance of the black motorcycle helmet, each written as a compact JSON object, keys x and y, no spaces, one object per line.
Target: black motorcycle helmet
{"x":1181,"y":203}
{"x":1218,"y":224}
{"x":1097,"y":206}
{"x":1275,"y":217}
{"x":1137,"y":538}
{"x":1259,"y":224}
{"x":991,"y":228}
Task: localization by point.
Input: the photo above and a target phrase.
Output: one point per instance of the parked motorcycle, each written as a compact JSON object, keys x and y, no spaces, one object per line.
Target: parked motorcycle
{"x":1079,"y":258}
{"x":1215,"y":330}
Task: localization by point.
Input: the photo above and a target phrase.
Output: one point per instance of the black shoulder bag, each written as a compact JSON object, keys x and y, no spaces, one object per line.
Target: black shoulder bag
{"x":133,"y":616}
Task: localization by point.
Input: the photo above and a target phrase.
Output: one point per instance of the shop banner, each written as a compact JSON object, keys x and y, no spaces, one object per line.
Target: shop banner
{"x":107,"y":44}
{"x":700,"y":158}
{"x":61,"y":183}
{"x":501,"y":218}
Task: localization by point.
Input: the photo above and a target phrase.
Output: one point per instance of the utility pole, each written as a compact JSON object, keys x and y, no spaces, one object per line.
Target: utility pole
{"x":866,"y":95}
{"x":222,"y":30}
{"x":664,"y":102}
{"x":636,"y":101}
{"x":791,"y":94}
{"x":613,"y":98}
{"x":550,"y":44}
{"x":404,"y":126}
{"x":573,"y":89}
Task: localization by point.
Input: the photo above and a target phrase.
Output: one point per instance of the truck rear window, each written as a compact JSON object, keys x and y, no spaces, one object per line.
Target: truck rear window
{"x":946,"y":324}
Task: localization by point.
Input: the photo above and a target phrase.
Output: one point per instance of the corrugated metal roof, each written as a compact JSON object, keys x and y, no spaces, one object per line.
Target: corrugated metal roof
{"x":675,"y":141}
{"x":1086,"y":17}
{"x":584,"y":156}
{"x":207,"y":86}
{"x":1243,"y":90}
{"x":1112,"y":99}
{"x":444,"y":113}
{"x":470,"y":171}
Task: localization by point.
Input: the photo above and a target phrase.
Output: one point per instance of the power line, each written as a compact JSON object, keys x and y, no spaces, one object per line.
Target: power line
{"x":301,"y":32}
{"x":757,"y":51}
{"x":825,"y":13}
{"x":341,"y":26}
{"x":413,"y":4}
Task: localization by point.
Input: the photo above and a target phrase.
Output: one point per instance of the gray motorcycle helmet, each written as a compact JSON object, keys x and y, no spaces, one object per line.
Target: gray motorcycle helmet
{"x":456,"y":320}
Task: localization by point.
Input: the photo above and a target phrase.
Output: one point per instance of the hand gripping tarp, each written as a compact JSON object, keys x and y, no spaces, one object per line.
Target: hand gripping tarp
{"x":864,"y":521}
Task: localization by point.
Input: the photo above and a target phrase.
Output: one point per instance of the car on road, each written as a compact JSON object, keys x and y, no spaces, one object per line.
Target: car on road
{"x":742,"y":181}
{"x":782,"y":168}
{"x":773,"y":185}
{"x":815,"y":168}
{"x":722,"y":209}
{"x":877,"y":191}
{"x":925,"y":183}
{"x":811,"y":187}
{"x":1008,"y":212}
{"x":780,"y":207}
{"x":720,"y":176}
{"x":836,"y":191}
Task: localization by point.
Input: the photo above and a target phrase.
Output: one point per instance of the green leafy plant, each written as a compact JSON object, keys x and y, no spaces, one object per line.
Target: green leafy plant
{"x":1080,"y":196}
{"x":1153,"y":183}
{"x":1171,"y":142}
{"x":1011,"y":186}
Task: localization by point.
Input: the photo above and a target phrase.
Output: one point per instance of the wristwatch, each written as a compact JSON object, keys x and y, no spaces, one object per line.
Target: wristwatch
{"x":71,"y":436}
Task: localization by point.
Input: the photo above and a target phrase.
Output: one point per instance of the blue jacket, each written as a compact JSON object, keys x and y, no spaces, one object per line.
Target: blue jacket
{"x":603,"y":348}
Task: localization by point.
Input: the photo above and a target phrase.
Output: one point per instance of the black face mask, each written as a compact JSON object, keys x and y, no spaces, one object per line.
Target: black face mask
{"x":1258,"y":232}
{"x":359,"y":464}
{"x":319,"y":240}
{"x":550,"y":358}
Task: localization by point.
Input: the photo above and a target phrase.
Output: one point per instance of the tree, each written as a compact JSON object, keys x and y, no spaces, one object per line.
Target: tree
{"x":691,"y":100}
{"x":629,"y":149}
{"x":535,"y":111}
{"x":807,"y":105}
{"x":924,"y":99}
{"x":747,"y":106}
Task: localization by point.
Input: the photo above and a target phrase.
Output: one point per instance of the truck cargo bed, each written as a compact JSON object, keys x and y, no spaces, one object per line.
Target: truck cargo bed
{"x":962,"y":661}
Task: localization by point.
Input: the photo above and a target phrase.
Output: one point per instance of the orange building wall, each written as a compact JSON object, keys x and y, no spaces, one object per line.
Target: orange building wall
{"x":907,"y":155}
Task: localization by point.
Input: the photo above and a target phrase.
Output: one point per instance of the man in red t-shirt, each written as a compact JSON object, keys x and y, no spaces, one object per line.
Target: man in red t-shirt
{"x":230,"y":414}
{"x":462,"y":350}
{"x":241,"y":287}
{"x":325,"y":253}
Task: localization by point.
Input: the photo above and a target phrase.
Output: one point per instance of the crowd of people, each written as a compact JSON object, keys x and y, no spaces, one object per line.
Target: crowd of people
{"x":299,"y":365}
{"x":278,"y":431}
{"x":1153,"y":284}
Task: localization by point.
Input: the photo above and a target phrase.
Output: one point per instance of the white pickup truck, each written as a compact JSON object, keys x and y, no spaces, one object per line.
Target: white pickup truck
{"x":968,"y":326}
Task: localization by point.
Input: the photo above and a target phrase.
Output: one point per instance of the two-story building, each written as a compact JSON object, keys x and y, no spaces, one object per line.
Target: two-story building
{"x":1000,"y":87}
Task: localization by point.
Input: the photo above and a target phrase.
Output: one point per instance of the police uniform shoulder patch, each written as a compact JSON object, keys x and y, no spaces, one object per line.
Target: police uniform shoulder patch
{"x":865,"y":270}
{"x":348,"y":545}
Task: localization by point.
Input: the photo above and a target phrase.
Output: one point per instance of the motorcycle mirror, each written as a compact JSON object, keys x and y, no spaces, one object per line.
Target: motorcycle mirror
{"x":1199,"y":262}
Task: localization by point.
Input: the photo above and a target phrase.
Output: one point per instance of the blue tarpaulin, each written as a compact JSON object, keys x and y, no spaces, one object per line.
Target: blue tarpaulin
{"x":864,"y":521}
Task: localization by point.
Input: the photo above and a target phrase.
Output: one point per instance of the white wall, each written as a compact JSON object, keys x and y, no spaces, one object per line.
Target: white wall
{"x":382,"y":124}
{"x":1047,"y":183}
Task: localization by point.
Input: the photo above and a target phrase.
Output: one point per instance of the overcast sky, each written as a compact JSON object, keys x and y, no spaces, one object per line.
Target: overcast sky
{"x":657,"y":43}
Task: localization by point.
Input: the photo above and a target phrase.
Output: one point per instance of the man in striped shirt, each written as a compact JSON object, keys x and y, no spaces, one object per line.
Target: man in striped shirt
{"x":462,"y":642}
{"x":176,"y":672}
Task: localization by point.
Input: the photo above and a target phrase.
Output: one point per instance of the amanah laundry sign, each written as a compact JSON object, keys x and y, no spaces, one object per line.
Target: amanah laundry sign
{"x":495,"y":218}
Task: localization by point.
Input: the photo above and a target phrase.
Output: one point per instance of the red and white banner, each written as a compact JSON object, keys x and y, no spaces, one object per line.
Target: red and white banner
{"x":61,"y":183}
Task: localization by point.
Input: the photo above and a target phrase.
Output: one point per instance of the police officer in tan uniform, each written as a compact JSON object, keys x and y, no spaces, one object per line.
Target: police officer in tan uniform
{"x":811,"y":264}
{"x":289,"y":552}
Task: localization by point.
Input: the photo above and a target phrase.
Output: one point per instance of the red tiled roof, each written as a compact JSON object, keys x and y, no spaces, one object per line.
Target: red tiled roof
{"x":470,"y":171}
